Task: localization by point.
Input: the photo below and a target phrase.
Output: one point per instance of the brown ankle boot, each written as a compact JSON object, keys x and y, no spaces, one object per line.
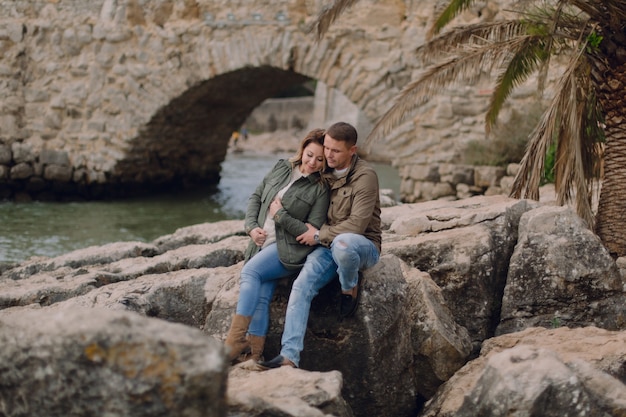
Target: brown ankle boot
{"x":257,"y":343}
{"x":236,"y":341}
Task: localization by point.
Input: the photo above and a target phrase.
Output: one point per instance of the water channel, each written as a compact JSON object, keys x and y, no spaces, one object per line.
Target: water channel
{"x":51,"y":229}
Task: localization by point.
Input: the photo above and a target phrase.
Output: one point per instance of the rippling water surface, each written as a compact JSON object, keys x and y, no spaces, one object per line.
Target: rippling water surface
{"x":51,"y":229}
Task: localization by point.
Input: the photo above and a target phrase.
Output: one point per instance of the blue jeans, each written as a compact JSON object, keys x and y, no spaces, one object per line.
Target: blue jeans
{"x":257,"y":283}
{"x":348,"y":254}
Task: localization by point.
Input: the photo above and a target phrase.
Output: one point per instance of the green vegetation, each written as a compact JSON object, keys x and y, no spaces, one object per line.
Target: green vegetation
{"x":548,"y":166}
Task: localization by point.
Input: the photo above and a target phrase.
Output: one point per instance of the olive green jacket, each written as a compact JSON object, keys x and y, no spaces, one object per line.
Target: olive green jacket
{"x":354,"y":205}
{"x":306,"y":201}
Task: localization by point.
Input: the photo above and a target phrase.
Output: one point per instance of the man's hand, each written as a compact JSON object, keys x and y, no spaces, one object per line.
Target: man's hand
{"x":258,"y":235}
{"x":308,"y":237}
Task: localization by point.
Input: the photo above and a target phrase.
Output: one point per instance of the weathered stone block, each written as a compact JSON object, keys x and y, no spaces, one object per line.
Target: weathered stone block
{"x":34,"y":95}
{"x":407,"y":186}
{"x":13,"y":104}
{"x":57,"y":173}
{"x":463,"y":191}
{"x":12,"y":30}
{"x":485,"y":176}
{"x":425,"y":173}
{"x":442,"y":189}
{"x":493,"y":190}
{"x":5,"y":154}
{"x":512,"y":169}
{"x":21,"y":171}
{"x":23,"y":152}
{"x":8,"y":125}
{"x":462,"y":174}
{"x":53,"y":120}
{"x":54,"y":157}
{"x":506,"y":184}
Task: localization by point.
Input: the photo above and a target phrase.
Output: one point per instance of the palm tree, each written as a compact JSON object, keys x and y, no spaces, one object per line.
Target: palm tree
{"x":585,"y":118}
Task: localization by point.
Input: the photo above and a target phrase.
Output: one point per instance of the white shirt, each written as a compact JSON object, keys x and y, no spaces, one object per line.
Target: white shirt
{"x":269,"y":226}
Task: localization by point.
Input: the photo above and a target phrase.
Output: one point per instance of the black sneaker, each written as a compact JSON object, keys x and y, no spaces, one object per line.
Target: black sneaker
{"x":277,"y":362}
{"x":348,"y":304}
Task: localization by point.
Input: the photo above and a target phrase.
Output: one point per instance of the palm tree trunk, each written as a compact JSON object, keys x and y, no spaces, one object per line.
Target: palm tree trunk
{"x":611,"y":216}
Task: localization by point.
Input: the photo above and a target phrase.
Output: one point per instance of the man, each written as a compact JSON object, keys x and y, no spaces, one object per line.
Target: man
{"x":349,"y":241}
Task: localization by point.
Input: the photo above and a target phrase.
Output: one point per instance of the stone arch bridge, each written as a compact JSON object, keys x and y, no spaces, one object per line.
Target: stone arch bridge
{"x":105,"y":98}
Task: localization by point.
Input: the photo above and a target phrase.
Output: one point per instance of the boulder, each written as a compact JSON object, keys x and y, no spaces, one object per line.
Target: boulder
{"x":79,"y":272}
{"x":465,"y":246}
{"x":62,"y":362}
{"x":372,"y":350}
{"x":560,"y":274}
{"x":440,"y":346}
{"x":451,"y":277}
{"x":285,"y":392}
{"x":539,"y":372}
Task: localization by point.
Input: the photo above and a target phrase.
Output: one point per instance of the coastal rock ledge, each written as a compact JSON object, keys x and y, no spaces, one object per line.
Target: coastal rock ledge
{"x":487,"y":306}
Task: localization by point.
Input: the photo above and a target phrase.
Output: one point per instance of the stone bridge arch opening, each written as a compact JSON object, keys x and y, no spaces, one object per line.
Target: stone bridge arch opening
{"x":186,"y":141}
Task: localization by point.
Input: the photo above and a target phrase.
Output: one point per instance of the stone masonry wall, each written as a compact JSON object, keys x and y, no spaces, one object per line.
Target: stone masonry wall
{"x":111,"y":105}
{"x":422,"y":182}
{"x":141,"y":94}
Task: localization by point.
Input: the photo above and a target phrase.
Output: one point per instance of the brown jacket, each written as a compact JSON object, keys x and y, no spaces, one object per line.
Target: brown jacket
{"x":354,"y":204}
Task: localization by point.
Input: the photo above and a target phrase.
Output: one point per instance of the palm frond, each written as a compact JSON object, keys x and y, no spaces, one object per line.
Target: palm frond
{"x":448,"y":42}
{"x":569,"y":180}
{"x":528,"y":178}
{"x":525,"y":61}
{"x":543,"y":69}
{"x":467,"y":67}
{"x":453,"y":9}
{"x":576,"y":143}
{"x":329,"y":14}
{"x":611,"y":13}
{"x":578,"y":163}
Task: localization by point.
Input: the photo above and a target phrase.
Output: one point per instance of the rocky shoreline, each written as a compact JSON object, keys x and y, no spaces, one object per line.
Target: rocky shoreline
{"x":483,"y":306}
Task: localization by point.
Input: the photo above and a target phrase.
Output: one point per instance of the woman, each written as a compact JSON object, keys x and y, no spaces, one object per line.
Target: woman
{"x":291,"y":195}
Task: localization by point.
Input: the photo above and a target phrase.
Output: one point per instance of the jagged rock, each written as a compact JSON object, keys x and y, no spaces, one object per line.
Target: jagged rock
{"x":64,"y":362}
{"x":285,"y":392}
{"x":431,"y":304}
{"x":185,"y":296}
{"x":200,"y":234}
{"x":440,"y":345}
{"x":93,"y":255}
{"x":540,"y":372}
{"x":64,"y":282}
{"x":466,"y":252}
{"x":561,"y":274}
{"x":372,"y":350}
{"x":537,"y":381}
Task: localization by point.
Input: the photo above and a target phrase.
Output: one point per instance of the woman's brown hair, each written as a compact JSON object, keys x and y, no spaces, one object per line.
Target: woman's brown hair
{"x":314,"y":136}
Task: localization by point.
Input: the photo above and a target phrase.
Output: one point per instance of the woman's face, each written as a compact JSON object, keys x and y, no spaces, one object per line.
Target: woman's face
{"x":312,"y":158}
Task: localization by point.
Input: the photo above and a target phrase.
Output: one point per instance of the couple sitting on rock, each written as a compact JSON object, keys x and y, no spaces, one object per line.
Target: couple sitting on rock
{"x":316,"y":215}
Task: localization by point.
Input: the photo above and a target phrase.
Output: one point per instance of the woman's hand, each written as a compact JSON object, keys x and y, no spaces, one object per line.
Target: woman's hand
{"x":258,"y":235}
{"x":275,"y":206}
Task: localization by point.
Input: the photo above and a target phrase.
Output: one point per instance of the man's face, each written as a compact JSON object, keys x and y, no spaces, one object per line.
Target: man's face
{"x":338,"y":153}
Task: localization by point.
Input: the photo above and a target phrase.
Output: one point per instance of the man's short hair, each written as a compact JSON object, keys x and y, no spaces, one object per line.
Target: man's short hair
{"x":344,"y":132}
